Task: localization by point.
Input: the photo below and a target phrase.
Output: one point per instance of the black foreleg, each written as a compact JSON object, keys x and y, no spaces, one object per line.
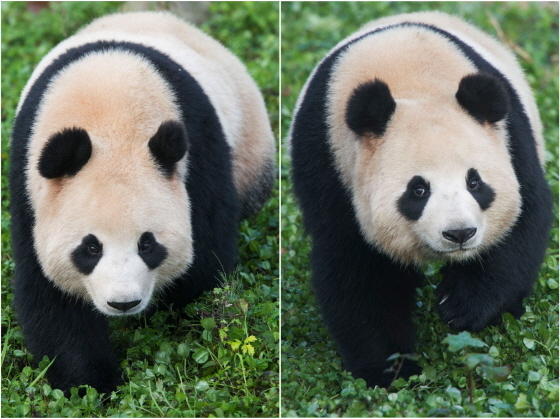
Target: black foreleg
{"x":366,"y":302}
{"x":65,"y":328}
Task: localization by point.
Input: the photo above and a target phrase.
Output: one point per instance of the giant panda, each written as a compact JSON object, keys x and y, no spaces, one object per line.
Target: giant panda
{"x":138,"y":145}
{"x":417,"y":139}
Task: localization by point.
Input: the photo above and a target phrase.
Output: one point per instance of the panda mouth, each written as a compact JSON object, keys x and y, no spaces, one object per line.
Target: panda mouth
{"x":459,"y":252}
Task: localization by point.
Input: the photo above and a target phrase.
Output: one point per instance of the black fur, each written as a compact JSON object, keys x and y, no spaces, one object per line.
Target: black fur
{"x":168,"y":146}
{"x":482,"y":192}
{"x":253,"y":198}
{"x":366,"y":299}
{"x":87,"y":254}
{"x":152,"y":253}
{"x":412,"y":202}
{"x":65,"y":153}
{"x":370,"y":108}
{"x":57,"y":325}
{"x":483,"y":96}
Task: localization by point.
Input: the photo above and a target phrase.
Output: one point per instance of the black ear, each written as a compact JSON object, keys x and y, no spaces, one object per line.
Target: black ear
{"x":168,"y":145}
{"x":370,"y":108}
{"x":65,"y":153}
{"x":484,"y":97}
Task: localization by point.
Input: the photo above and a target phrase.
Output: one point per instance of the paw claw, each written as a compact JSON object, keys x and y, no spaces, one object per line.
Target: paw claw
{"x":444,"y":299}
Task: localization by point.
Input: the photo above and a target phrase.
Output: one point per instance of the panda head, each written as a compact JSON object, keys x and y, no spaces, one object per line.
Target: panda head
{"x":433,"y":180}
{"x":116,"y":227}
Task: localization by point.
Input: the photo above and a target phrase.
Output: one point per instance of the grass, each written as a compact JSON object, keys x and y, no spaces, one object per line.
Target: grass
{"x":223,"y":360}
{"x":510,"y":370}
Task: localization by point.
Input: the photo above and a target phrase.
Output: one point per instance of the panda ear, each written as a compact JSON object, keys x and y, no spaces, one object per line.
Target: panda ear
{"x":168,"y":146}
{"x":484,"y":97}
{"x":65,"y":153}
{"x":370,"y":108}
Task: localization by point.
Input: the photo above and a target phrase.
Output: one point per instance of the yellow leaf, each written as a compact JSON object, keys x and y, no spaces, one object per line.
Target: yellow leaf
{"x":248,"y":349}
{"x":250,"y":339}
{"x":235,"y":344}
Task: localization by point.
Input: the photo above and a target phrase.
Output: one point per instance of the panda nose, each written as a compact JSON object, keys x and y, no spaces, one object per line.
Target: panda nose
{"x":124,"y":306}
{"x":459,"y":236}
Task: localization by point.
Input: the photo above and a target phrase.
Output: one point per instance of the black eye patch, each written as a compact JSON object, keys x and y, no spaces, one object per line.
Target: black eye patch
{"x":412,"y":202}
{"x":86,"y":256}
{"x":152,"y":253}
{"x":481,"y":192}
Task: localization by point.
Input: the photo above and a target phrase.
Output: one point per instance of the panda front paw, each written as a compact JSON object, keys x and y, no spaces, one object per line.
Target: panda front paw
{"x":68,"y":372}
{"x":464,"y":307}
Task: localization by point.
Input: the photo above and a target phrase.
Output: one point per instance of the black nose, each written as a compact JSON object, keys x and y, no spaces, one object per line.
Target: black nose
{"x":459,"y":236}
{"x":124,"y":306}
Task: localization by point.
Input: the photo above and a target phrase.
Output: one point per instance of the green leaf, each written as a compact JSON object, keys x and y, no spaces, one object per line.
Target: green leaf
{"x":534,"y":376}
{"x":430,"y":374}
{"x":497,"y":374}
{"x":202,"y":386}
{"x":208,"y":323}
{"x":522,"y":404}
{"x":454,"y":393}
{"x":180,"y":396}
{"x":529,"y":343}
{"x":200,"y":355}
{"x":473,"y":360}
{"x":393,"y":357}
{"x":207,"y":335}
{"x":461,"y":341}
{"x":183,"y":349}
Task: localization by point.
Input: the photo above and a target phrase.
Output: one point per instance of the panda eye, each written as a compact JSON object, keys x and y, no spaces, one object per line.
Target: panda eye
{"x":145,"y":246}
{"x":420,"y":190}
{"x":473,"y":184}
{"x":93,"y":249}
